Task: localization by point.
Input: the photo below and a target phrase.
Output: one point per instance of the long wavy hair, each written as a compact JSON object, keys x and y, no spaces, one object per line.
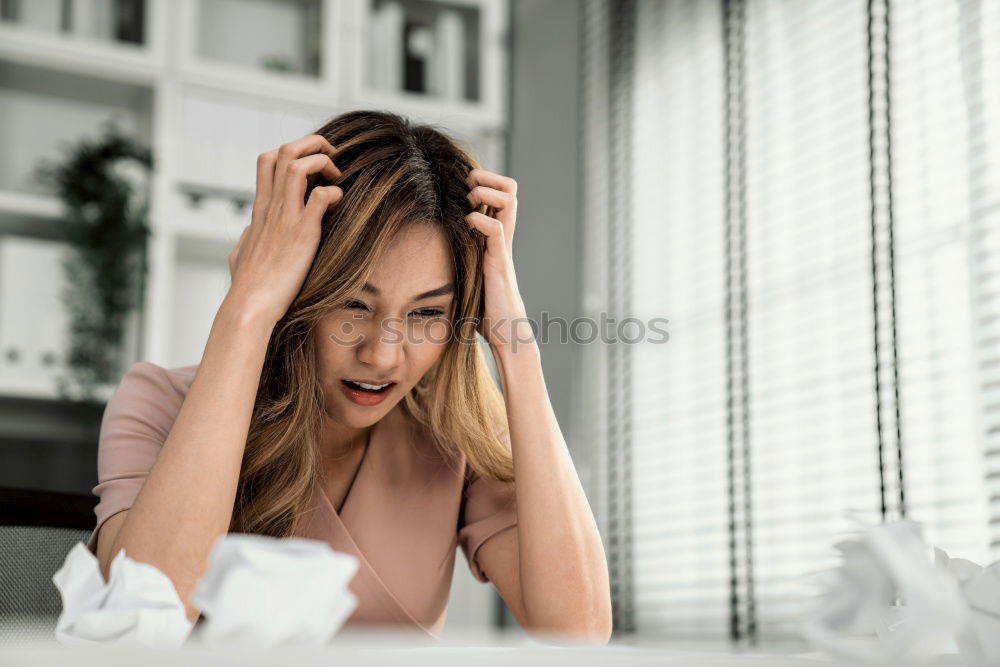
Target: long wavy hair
{"x":395,"y":173}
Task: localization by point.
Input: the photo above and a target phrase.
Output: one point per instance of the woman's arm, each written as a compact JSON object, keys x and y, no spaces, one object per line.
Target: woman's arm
{"x":551,"y":571}
{"x":187,"y":500}
{"x":554,"y":562}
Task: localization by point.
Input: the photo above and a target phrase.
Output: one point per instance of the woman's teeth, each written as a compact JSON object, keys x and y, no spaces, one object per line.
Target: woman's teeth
{"x":369,"y":387}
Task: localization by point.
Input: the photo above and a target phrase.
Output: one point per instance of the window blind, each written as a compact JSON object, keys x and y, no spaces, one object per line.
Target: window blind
{"x":979,"y":54}
{"x":939,"y":163}
{"x":681,"y":553}
{"x":862,"y":147}
{"x":810,"y":284}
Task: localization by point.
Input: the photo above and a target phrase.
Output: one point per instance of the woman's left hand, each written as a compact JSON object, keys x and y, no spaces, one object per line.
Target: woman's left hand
{"x":506,"y":324}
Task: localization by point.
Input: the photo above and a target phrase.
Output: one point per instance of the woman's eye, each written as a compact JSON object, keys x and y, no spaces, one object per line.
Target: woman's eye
{"x":423,"y":312}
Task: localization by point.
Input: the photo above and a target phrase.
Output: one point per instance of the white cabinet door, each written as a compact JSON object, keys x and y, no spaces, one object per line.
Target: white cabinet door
{"x":33,"y":320}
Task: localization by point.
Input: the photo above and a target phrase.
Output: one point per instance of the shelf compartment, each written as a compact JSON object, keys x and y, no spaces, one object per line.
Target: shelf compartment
{"x":284,"y":48}
{"x":218,"y":140}
{"x":439,"y":60}
{"x":429,"y":48}
{"x":201,"y":281}
{"x":292,"y":27}
{"x":114,"y":21}
{"x":210,"y":214}
{"x":34,"y":323}
{"x":46,"y":109}
{"x":126,"y":62}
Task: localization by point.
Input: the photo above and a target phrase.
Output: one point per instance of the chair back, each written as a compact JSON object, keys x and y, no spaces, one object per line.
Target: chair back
{"x":37,"y":530}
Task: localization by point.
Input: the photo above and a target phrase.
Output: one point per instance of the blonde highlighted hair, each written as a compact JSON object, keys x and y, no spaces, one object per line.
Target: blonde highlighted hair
{"x":395,"y":173}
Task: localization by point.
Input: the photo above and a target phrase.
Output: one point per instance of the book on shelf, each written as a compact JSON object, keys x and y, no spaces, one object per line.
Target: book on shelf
{"x":94,"y":19}
{"x":385,"y":47}
{"x":448,"y":71}
{"x":41,"y":15}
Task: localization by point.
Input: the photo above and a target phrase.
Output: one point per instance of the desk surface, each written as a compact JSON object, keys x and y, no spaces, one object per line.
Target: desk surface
{"x":382,"y":647}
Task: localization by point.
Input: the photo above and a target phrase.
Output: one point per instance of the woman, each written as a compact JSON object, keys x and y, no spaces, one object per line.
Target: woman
{"x":383,"y":280}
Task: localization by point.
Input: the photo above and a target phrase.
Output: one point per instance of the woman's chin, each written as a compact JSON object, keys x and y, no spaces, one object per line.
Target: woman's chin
{"x":357,"y":416}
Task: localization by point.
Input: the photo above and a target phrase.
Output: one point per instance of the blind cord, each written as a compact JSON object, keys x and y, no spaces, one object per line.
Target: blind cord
{"x":735,"y":224}
{"x":891,"y":257}
{"x":621,"y":95}
{"x":874,"y":257}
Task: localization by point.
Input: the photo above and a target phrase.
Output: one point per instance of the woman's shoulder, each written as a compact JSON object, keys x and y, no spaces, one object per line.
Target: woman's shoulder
{"x":144,"y":376}
{"x":152,"y":389}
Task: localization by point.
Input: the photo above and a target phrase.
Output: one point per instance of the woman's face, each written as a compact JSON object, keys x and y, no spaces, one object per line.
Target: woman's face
{"x":393,"y":330}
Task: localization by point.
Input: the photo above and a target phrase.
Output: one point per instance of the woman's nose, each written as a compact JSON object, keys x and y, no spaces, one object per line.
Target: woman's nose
{"x":382,"y":347}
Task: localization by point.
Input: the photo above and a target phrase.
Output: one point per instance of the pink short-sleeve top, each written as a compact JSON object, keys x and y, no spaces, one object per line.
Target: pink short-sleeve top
{"x":403,"y":517}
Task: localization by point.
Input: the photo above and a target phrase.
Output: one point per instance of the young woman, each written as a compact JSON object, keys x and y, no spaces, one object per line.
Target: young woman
{"x":341,"y":395}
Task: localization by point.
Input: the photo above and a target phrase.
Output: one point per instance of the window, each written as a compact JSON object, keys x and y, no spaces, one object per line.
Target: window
{"x":747,"y":209}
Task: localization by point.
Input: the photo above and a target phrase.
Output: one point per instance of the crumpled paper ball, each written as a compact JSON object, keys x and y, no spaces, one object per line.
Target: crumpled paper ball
{"x":264,"y":591}
{"x":979,"y":639}
{"x":137,"y":605}
{"x":894,"y":598}
{"x":257,"y":591}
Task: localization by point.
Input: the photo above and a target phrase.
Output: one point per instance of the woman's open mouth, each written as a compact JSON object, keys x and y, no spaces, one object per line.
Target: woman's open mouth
{"x":366,"y":394}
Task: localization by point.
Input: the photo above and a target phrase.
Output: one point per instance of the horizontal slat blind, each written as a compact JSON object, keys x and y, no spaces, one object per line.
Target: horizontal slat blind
{"x":934,"y":151}
{"x":979,"y":25}
{"x":679,"y":437}
{"x":813,"y":439}
{"x":810,"y":311}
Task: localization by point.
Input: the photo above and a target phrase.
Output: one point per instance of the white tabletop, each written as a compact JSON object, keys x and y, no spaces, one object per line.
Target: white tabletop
{"x":380,"y":647}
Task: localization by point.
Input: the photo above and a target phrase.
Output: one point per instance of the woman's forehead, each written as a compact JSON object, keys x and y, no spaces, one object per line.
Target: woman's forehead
{"x":418,"y":260}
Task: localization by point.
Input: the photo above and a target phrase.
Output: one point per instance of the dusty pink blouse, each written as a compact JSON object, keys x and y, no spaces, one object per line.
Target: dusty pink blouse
{"x":404,"y":515}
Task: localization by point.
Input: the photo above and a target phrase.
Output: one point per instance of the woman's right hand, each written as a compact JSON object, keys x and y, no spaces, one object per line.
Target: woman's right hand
{"x":274,"y":253}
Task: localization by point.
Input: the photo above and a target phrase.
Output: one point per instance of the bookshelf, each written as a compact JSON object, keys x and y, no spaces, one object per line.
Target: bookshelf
{"x":208,"y":84}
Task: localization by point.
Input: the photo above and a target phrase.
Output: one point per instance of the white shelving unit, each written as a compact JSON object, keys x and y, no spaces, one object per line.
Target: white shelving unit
{"x":214,"y":83}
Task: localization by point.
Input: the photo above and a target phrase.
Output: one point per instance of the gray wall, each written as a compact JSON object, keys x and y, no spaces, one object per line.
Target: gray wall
{"x":543,"y":158}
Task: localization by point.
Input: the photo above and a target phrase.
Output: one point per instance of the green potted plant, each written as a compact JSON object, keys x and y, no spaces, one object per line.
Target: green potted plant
{"x":104,"y":186}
